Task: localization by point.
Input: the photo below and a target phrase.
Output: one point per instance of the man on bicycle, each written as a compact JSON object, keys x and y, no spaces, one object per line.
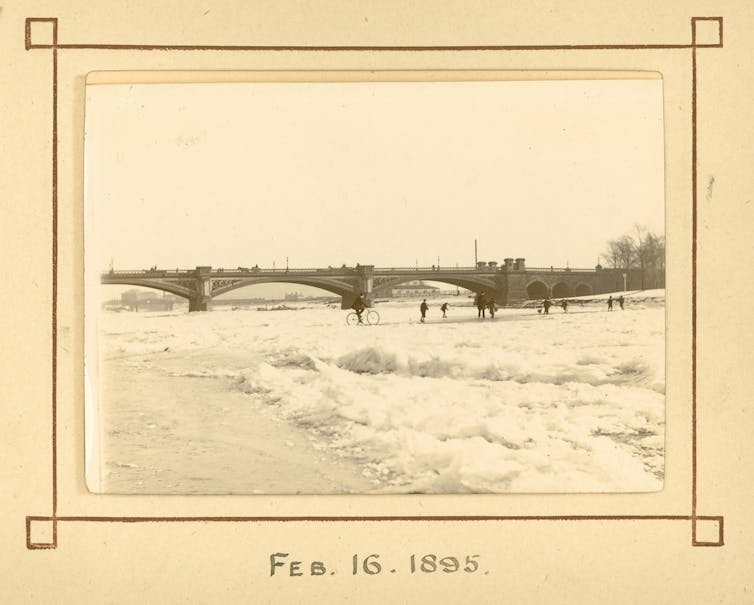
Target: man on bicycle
{"x":359,"y":305}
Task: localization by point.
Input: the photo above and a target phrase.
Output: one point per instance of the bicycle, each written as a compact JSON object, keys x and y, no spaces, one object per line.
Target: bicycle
{"x":371,"y":316}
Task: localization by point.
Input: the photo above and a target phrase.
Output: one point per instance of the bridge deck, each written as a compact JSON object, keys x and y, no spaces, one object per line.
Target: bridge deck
{"x":335,"y":271}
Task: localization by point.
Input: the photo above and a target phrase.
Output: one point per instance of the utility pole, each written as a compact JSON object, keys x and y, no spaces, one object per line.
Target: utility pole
{"x":475,"y":254}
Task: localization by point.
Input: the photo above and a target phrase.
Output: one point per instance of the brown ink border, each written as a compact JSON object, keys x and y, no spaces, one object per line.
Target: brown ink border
{"x":54,"y":518}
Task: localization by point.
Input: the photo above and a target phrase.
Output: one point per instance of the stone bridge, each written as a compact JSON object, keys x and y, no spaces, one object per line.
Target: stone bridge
{"x":508,"y":283}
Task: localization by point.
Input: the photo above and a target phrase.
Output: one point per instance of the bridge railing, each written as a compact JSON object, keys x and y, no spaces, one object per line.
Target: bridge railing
{"x":148,"y":273}
{"x":276,"y":270}
{"x":556,"y":270}
{"x":478,"y":269}
{"x":319,"y":270}
{"x":283,"y":269}
{"x":429,"y":269}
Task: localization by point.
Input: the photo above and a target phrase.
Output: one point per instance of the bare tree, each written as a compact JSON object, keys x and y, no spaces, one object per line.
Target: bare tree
{"x":612,"y":254}
{"x":627,"y":252}
{"x":620,"y":253}
{"x":654,"y":255}
{"x":641,"y":250}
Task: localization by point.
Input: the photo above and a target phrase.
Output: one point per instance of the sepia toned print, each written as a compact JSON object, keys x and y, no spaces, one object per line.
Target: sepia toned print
{"x":385,"y":287}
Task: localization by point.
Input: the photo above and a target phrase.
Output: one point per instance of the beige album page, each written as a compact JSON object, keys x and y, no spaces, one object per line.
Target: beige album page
{"x":359,"y":302}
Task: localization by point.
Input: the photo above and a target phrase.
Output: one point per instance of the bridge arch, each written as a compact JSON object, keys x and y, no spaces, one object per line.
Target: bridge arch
{"x":334,"y":286}
{"x":169,"y":287}
{"x":561,"y":290}
{"x":537,"y":289}
{"x":477,"y":284}
{"x":582,"y":289}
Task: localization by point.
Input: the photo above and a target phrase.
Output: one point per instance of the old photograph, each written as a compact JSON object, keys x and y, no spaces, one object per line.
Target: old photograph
{"x":375,"y":285}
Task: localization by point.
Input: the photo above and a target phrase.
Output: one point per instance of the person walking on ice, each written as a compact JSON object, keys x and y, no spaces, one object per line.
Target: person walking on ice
{"x":620,"y":302}
{"x":610,"y":303}
{"x":546,"y":304}
{"x":492,"y":306}
{"x":481,"y":304}
{"x":564,"y":305}
{"x":444,"y":309}
{"x":423,"y":308}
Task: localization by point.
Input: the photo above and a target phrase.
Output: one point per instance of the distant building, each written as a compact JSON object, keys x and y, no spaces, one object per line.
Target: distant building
{"x":153,"y":300}
{"x":413,"y":288}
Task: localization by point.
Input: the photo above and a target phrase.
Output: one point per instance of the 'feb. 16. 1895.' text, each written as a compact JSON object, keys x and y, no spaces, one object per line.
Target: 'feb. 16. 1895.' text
{"x":282,"y":564}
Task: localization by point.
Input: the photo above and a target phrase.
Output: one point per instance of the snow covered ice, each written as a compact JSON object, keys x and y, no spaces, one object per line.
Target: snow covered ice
{"x":296,"y":401}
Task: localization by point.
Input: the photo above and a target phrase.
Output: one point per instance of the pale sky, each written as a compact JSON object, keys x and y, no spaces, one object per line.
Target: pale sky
{"x":180,"y":175}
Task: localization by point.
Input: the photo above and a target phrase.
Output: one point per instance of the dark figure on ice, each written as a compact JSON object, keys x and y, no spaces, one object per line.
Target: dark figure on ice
{"x":491,"y":307}
{"x":546,"y":304}
{"x":564,"y":306}
{"x":620,"y":302}
{"x":359,"y":305}
{"x":481,"y":304}
{"x":610,"y":303}
{"x":444,"y":309}
{"x":423,"y":308}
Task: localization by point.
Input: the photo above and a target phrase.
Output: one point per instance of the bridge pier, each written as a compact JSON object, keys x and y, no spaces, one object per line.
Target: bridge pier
{"x":197,"y":303}
{"x":203,"y":289}
{"x":500,"y":295}
{"x":501,"y":288}
{"x":499,"y":291}
{"x":363,"y":285}
{"x":347,"y":300}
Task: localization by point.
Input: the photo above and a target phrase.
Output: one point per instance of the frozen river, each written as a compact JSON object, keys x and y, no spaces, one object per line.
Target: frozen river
{"x":246,"y":401}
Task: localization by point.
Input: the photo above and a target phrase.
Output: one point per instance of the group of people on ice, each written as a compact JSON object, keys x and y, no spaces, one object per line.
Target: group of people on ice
{"x":424,"y":307}
{"x":484,"y":304}
{"x":547,"y":303}
{"x":620,"y":300}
